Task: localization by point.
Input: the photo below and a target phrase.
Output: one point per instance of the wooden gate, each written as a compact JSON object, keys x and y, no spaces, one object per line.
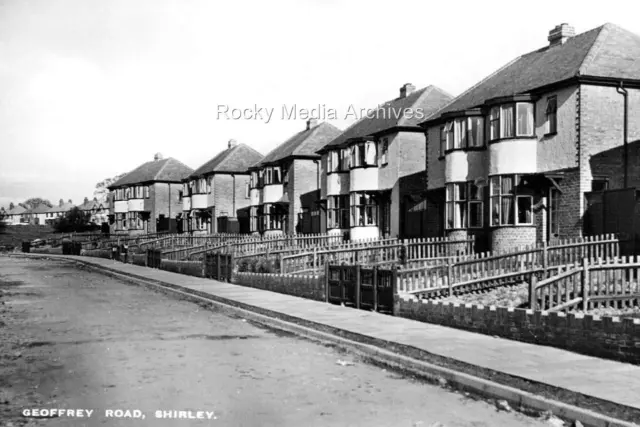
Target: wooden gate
{"x":154,"y":258}
{"x":365,"y":288}
{"x":218,"y":266}
{"x":614,"y":212}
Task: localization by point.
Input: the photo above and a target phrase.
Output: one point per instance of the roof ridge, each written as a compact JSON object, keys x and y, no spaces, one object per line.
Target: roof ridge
{"x":250,"y":148}
{"x":436,"y":113}
{"x":166,"y":162}
{"x":603,"y":33}
{"x":307,"y":138}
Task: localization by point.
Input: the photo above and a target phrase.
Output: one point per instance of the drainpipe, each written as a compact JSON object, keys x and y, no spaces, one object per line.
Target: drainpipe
{"x":621,"y":90}
{"x":170,"y":199}
{"x":233,"y":210}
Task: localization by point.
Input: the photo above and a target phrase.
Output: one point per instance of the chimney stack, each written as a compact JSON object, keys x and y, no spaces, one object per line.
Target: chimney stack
{"x":157,"y":157}
{"x":70,"y":202}
{"x":232,"y":143}
{"x":560,"y":34}
{"x":311,"y":123}
{"x":61,"y":202}
{"x":406,"y":90}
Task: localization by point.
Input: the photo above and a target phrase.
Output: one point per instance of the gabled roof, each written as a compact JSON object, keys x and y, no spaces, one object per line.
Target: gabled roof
{"x":237,"y":158}
{"x":163,"y":170}
{"x":17,"y":210}
{"x":605,"y":52}
{"x":88,"y":205}
{"x":64,"y":208}
{"x":41,"y":208}
{"x":303,"y":144}
{"x":391,"y":114}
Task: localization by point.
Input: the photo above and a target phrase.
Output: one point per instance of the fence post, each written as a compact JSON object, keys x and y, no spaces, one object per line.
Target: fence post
{"x":394,"y":290}
{"x":375,"y":288}
{"x":450,"y":276}
{"x":358,"y":280}
{"x":545,"y":259}
{"x":585,"y":282}
{"x":326,"y":281}
{"x":218,"y":270}
{"x":230,"y":268}
{"x":315,"y":258}
{"x":281,"y":263}
{"x":532,"y":292}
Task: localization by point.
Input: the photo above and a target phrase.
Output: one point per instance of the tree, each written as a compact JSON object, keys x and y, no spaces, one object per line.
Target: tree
{"x":74,"y":220}
{"x":101,"y":190}
{"x":35,"y":201}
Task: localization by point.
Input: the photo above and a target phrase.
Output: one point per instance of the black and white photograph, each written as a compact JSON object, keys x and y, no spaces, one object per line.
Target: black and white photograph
{"x":334,"y":213}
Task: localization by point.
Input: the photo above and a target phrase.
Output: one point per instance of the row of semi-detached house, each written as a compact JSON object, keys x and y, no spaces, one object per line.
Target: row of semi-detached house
{"x":47,"y":215}
{"x":510,"y":160}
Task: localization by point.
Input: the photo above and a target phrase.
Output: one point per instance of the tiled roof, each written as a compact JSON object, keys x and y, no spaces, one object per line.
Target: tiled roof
{"x":607,"y":52}
{"x":90,"y":204}
{"x":237,"y":158}
{"x":17,"y":210}
{"x":428,"y":99}
{"x":65,"y":207}
{"x":41,"y":208}
{"x":165,"y":170}
{"x":305,"y":143}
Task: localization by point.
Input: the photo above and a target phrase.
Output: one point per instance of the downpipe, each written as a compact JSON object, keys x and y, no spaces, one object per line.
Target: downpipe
{"x":621,"y":90}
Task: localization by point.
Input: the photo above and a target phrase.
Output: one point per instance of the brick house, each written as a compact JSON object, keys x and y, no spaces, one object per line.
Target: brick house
{"x":511,"y":159}
{"x":17,"y":216}
{"x":284,"y":185}
{"x":147,"y":199}
{"x":37,"y":215}
{"x":55,"y":212}
{"x":372,"y":170}
{"x":217,"y":190}
{"x":97,"y":209}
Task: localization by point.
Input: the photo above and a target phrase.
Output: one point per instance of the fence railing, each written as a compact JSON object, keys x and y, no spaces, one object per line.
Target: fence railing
{"x":492,"y":269}
{"x":381,"y":253}
{"x":600,"y":283}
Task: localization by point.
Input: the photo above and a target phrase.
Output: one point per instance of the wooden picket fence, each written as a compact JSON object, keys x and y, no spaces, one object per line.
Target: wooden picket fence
{"x":596,"y":283}
{"x":480,"y":271}
{"x":383,"y":253}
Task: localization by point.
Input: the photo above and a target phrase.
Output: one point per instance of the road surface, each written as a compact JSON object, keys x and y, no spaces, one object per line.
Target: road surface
{"x":73,"y":339}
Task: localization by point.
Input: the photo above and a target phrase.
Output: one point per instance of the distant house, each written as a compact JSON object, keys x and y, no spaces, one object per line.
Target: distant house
{"x":285,"y":187}
{"x":55,"y":212}
{"x":37,"y":215}
{"x":214,"y":193}
{"x":513,"y":159}
{"x":374,"y":169}
{"x":17,"y":216}
{"x":97,"y":209}
{"x":147,"y":199}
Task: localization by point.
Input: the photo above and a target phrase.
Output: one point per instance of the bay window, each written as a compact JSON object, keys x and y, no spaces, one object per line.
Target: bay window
{"x":464,"y":204}
{"x":363,"y":154}
{"x":254,"y":181}
{"x":119,"y":194}
{"x":475,"y":129}
{"x":272,"y":175}
{"x":338,"y":211}
{"x":273,"y":217}
{"x":511,"y":120}
{"x":511,"y":202}
{"x":121,"y":221}
{"x":134,"y":221}
{"x":338,"y":161}
{"x":462,"y":133}
{"x":364,"y":210}
{"x":200,"y":220}
{"x":345,"y":159}
{"x":200,"y":186}
{"x":551,"y":115}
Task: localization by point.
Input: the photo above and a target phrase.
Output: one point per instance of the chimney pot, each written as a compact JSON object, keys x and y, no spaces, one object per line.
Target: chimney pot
{"x":560,"y":34}
{"x":232,"y":143}
{"x":311,"y":123}
{"x":406,"y":90}
{"x":158,"y":156}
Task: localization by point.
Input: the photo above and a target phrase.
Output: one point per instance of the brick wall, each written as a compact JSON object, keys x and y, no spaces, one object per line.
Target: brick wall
{"x":435,"y":165}
{"x":163,"y":200}
{"x":606,"y":337}
{"x":511,"y":238}
{"x":303,"y":179}
{"x":310,"y":287}
{"x":226,"y":188}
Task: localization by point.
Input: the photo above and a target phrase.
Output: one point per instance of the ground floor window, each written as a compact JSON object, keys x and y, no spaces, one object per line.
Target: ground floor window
{"x":254,"y":223}
{"x":134,"y":221}
{"x":338,"y":211}
{"x":121,"y":221}
{"x":200,"y":220}
{"x":511,"y":201}
{"x":364,"y":210}
{"x":464,"y":203}
{"x":273,"y":217}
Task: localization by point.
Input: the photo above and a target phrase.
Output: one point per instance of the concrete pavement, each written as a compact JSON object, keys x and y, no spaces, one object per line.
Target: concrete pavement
{"x":605,"y":386}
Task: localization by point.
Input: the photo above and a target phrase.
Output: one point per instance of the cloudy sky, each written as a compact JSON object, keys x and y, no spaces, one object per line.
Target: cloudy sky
{"x":93,"y":88}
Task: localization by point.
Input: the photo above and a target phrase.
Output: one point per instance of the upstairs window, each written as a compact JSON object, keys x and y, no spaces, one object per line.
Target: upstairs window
{"x":599,"y":184}
{"x":272,"y":175}
{"x":511,"y":202}
{"x":363,"y":154}
{"x":443,"y":141}
{"x":336,"y":161}
{"x":525,"y":119}
{"x":551,"y":115}
{"x":254,"y":181}
{"x":506,"y":121}
{"x":146,"y":192}
{"x":384,"y":151}
{"x":494,"y":123}
{"x":345,"y":159}
{"x":462,"y":133}
{"x":475,"y":132}
{"x":511,"y":120}
{"x":200,"y":186}
{"x":247,"y":191}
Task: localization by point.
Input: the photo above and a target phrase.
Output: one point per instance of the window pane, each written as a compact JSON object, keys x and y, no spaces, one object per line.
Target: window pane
{"x":495,"y":185}
{"x":525,"y":119}
{"x":507,"y":185}
{"x":507,"y":210}
{"x":449,"y":135}
{"x":524,"y":210}
{"x":371,"y":153}
{"x":506,"y":121}
{"x":494,"y":118}
{"x":449,"y":192}
{"x":461,"y":191}
{"x":461,"y":215}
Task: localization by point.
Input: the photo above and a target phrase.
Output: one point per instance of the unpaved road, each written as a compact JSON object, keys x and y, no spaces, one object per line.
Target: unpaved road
{"x":71,"y":338}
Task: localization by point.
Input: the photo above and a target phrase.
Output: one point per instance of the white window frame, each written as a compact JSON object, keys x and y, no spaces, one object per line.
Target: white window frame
{"x":496,"y":199}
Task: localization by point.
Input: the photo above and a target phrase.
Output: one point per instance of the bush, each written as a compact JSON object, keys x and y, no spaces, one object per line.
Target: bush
{"x":259,"y":264}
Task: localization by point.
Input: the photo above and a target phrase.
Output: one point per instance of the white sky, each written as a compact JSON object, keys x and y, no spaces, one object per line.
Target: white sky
{"x":93,"y":88}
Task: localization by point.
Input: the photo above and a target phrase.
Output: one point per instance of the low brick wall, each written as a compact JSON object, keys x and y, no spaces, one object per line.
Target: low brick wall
{"x":310,"y":287}
{"x":52,"y":251}
{"x":190,"y":268}
{"x":96,"y":253}
{"x":607,"y":337}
